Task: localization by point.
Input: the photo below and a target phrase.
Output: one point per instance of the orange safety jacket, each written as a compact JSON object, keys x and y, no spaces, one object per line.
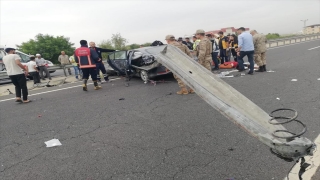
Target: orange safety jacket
{"x":85,"y":57}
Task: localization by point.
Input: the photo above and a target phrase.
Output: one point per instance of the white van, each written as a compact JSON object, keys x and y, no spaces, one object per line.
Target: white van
{"x":25,"y":58}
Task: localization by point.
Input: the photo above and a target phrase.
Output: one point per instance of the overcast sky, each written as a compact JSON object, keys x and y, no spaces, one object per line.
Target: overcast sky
{"x":148,"y":20}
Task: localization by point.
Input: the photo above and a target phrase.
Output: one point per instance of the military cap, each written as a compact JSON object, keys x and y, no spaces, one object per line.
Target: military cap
{"x":169,"y":37}
{"x":200,"y":31}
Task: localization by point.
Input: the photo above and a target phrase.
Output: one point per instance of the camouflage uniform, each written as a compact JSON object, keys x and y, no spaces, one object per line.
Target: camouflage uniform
{"x":260,"y":49}
{"x":204,"y":50}
{"x":184,"y":49}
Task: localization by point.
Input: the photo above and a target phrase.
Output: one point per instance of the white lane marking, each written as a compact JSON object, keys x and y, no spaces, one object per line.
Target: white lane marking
{"x":53,"y":90}
{"x":292,"y":44}
{"x":314,"y":48}
{"x":311,"y":170}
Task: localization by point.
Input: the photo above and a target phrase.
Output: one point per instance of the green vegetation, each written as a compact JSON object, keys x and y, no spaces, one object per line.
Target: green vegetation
{"x":278,"y":36}
{"x":118,"y":42}
{"x":48,"y":46}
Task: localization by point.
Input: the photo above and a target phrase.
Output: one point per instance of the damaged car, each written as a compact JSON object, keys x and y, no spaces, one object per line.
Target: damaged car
{"x":136,"y":63}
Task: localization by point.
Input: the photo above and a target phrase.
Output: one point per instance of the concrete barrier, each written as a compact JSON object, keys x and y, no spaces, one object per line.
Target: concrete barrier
{"x":292,"y":40}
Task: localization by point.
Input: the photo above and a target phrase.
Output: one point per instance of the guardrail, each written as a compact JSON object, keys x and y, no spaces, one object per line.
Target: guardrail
{"x":4,"y":76}
{"x":292,"y":40}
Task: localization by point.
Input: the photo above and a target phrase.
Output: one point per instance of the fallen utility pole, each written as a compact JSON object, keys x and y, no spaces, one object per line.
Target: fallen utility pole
{"x":235,"y":106}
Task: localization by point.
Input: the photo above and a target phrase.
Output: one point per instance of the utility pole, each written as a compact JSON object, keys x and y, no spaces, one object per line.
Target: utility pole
{"x":304,"y":24}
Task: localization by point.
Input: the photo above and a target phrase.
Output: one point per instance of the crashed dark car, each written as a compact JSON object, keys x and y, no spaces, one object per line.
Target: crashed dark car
{"x":136,"y":63}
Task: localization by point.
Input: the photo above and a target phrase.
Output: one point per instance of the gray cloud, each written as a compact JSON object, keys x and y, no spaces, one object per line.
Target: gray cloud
{"x":146,"y":21}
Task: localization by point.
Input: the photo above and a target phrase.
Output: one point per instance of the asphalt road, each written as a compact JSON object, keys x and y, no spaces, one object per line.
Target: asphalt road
{"x":154,"y":133}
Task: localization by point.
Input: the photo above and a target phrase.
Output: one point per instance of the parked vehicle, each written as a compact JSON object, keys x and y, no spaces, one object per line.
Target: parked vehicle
{"x":25,"y":58}
{"x":136,"y":63}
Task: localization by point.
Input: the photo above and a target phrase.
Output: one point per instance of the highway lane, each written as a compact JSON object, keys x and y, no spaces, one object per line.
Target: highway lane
{"x":152,"y":134}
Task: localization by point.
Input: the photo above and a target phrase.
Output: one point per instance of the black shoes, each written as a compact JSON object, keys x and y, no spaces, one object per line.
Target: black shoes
{"x":260,"y":69}
{"x":250,"y":73}
{"x":264,"y":68}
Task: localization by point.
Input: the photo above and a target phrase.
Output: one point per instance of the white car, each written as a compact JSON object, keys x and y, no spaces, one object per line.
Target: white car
{"x":25,"y":58}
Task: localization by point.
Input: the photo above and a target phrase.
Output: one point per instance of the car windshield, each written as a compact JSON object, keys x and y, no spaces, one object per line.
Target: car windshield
{"x":24,"y":57}
{"x":120,"y":55}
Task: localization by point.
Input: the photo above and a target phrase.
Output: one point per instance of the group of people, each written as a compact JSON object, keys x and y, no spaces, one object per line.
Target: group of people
{"x":217,"y":48}
{"x":206,"y":48}
{"x":226,"y":48}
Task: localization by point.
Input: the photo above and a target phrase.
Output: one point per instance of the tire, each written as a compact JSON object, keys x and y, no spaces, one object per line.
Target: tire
{"x":144,"y":75}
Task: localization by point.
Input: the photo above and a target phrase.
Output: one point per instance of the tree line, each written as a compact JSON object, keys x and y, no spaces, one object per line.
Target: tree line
{"x":50,"y":47}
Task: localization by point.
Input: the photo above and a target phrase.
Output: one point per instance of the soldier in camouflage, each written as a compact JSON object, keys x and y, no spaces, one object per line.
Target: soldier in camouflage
{"x":204,"y":49}
{"x":171,"y":40}
{"x":260,"y":49}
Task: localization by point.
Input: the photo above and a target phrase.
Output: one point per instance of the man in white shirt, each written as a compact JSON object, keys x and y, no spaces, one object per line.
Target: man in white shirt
{"x":33,"y":70}
{"x":17,"y":76}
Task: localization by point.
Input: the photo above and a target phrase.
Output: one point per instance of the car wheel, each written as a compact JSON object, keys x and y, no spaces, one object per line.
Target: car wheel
{"x":144,"y":75}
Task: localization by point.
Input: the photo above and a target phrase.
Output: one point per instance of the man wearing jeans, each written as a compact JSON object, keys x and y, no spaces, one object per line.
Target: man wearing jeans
{"x":14,"y":71}
{"x":245,"y":48}
{"x":75,"y":66}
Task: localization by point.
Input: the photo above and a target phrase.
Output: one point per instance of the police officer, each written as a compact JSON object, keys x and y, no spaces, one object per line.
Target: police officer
{"x":87,"y":59}
{"x":204,"y":49}
{"x":171,"y":40}
{"x":99,"y":63}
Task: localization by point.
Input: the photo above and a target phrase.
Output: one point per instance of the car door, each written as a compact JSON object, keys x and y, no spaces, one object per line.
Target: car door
{"x":2,"y":66}
{"x":118,"y":61}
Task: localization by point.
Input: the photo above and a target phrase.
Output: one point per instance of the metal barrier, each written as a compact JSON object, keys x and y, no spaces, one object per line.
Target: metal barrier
{"x":291,"y":40}
{"x":5,"y":78}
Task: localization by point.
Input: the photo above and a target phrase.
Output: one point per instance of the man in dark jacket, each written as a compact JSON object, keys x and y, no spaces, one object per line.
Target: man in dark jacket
{"x":87,"y":59}
{"x":189,"y":44}
{"x":99,"y":64}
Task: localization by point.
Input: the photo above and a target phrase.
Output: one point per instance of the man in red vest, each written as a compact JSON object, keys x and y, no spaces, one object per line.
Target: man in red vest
{"x":87,"y":58}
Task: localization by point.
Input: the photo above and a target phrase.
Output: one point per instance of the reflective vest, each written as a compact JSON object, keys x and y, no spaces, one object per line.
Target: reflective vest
{"x":195,"y":44}
{"x":83,"y":55}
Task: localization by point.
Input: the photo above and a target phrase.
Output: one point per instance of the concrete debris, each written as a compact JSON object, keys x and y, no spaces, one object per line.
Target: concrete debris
{"x":294,"y":80}
{"x":53,"y":142}
{"x":278,"y":98}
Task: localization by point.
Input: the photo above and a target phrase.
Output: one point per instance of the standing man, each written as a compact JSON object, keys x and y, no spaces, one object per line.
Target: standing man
{"x":245,"y":48}
{"x":204,"y":50}
{"x":215,"y":51}
{"x":14,"y":71}
{"x":64,"y":60}
{"x":99,"y":63}
{"x":180,"y":40}
{"x":171,"y":40}
{"x":223,"y":45}
{"x":75,"y":66}
{"x":260,"y":49}
{"x":195,"y":42}
{"x":189,"y":44}
{"x":87,"y":58}
{"x":41,"y":63}
{"x":33,"y":70}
